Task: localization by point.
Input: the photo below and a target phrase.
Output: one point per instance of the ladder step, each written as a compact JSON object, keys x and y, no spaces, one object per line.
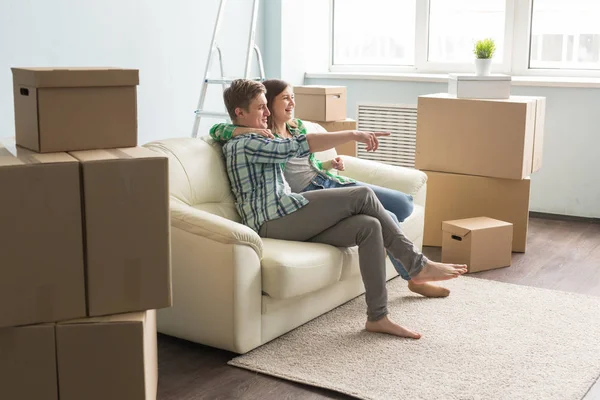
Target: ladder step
{"x":211,"y":114}
{"x":229,"y":80}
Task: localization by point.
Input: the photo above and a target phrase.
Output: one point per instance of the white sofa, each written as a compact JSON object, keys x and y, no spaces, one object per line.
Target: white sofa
{"x":236,"y":291}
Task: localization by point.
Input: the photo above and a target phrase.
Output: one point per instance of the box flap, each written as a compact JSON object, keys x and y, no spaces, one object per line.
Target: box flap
{"x":473,"y":77}
{"x":472,"y":224}
{"x":115,"y":154}
{"x":75,"y":77}
{"x":10,"y":154}
{"x":319,"y":89}
{"x":448,"y":226}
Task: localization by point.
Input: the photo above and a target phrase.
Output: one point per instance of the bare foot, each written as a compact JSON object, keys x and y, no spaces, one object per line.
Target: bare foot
{"x":428,"y":290}
{"x":435,"y":271}
{"x":386,"y":325}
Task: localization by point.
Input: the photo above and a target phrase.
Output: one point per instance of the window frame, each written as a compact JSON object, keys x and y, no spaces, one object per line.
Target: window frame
{"x":517,"y":37}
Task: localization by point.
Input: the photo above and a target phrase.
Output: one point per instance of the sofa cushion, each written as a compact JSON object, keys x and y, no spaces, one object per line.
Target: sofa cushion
{"x":292,"y":269}
{"x":225,"y":210}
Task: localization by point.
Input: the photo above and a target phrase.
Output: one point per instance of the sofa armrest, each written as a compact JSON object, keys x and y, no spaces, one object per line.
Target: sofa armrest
{"x":408,"y":180}
{"x":213,"y":227}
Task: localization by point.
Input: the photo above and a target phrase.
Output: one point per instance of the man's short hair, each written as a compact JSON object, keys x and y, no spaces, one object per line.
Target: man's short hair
{"x":240,"y":93}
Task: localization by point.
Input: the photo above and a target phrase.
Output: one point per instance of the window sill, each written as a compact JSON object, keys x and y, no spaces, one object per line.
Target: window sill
{"x":570,"y":82}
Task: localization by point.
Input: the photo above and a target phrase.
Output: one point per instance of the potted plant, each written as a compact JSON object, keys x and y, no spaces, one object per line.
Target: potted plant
{"x":484,"y":51}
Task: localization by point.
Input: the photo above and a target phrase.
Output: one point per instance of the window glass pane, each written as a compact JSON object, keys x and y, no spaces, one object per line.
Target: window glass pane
{"x":565,"y":34}
{"x":455,"y":26}
{"x":375,"y":32}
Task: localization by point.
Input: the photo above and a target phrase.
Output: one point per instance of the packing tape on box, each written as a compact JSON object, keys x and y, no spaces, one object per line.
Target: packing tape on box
{"x":119,"y":153}
{"x":28,"y":158}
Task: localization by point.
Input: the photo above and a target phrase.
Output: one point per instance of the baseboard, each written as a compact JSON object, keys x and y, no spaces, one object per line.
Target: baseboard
{"x":560,"y":217}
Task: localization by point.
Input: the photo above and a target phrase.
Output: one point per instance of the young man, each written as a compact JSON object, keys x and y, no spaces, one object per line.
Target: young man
{"x":341,"y":217}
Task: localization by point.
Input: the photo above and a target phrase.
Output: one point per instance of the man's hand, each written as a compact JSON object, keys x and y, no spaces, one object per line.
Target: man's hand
{"x":262,"y":132}
{"x":369,"y":138}
{"x":337,"y":163}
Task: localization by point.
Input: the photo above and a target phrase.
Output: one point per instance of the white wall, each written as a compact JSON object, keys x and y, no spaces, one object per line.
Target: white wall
{"x":296,"y":38}
{"x":569,"y":181}
{"x":167,"y":41}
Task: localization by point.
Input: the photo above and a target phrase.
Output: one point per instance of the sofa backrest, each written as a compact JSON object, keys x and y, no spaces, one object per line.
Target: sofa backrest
{"x":197,"y":173}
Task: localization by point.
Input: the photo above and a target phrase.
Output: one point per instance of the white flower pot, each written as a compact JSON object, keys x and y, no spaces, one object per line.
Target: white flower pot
{"x":483,"y":66}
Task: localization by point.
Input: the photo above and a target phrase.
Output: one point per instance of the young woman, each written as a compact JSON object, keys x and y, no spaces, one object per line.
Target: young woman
{"x":304,"y":174}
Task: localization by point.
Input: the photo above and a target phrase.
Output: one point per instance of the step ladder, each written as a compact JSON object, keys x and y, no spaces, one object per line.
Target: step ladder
{"x":222,"y":80}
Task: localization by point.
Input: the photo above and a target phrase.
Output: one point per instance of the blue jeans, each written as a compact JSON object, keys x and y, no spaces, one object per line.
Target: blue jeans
{"x":399,"y":205}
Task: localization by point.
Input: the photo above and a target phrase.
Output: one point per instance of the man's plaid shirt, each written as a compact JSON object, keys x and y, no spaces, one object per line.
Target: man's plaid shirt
{"x":253,"y":165}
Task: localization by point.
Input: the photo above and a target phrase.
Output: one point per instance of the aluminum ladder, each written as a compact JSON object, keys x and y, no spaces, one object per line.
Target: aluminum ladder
{"x":222,"y":80}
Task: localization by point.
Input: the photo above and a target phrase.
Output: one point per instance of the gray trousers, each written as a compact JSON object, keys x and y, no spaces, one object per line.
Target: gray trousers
{"x":348,"y":217}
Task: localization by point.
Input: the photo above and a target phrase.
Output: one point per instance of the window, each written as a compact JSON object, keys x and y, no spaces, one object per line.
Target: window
{"x":564,"y":36}
{"x":364,"y":35}
{"x":455,"y":26}
{"x":552,"y":37}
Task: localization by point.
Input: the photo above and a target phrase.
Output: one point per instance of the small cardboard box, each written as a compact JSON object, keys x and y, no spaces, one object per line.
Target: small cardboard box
{"x":456,"y":196}
{"x":65,"y":109}
{"x":470,"y":86}
{"x":482,"y":243}
{"x":41,"y":239}
{"x":127,"y":230}
{"x":28,"y":363}
{"x":485,"y":137}
{"x":348,"y":149}
{"x":112,"y":357}
{"x":320,"y":103}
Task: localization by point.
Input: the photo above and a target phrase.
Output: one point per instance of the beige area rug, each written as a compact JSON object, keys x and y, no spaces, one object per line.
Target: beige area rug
{"x":488,"y":340}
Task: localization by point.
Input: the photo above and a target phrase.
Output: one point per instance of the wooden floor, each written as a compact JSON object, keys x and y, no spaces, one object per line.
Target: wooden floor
{"x":561,"y":255}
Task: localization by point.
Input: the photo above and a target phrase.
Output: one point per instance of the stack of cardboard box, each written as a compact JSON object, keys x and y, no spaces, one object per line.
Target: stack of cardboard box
{"x":478,"y":155}
{"x":84,"y":239}
{"x":326,"y":105}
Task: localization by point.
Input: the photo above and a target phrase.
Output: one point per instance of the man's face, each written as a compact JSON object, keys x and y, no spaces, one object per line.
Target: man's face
{"x":256,"y":115}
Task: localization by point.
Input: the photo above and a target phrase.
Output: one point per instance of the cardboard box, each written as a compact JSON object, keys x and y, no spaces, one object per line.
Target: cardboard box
{"x":320,"y":103}
{"x":64,"y":109}
{"x":482,"y":243}
{"x":494,"y":138}
{"x":28,"y":363}
{"x":127,"y":227}
{"x":455,"y":196}
{"x":348,"y":149}
{"x":471,"y":86}
{"x":41,"y":271}
{"x":112,"y":357}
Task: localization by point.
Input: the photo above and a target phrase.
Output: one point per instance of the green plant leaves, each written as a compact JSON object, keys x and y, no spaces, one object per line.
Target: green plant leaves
{"x":484,"y":48}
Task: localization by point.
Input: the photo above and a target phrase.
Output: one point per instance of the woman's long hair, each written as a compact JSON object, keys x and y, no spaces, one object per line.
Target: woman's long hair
{"x":274,"y":88}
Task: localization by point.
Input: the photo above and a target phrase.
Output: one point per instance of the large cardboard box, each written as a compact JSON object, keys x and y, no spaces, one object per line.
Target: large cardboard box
{"x":348,"y":124}
{"x":482,"y":243}
{"x":320,"y":102}
{"x":28,"y":363}
{"x":64,"y":109}
{"x":127,"y":227}
{"x":456,"y":196}
{"x":41,"y":243}
{"x":111,"y":357}
{"x":486,"y":137}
